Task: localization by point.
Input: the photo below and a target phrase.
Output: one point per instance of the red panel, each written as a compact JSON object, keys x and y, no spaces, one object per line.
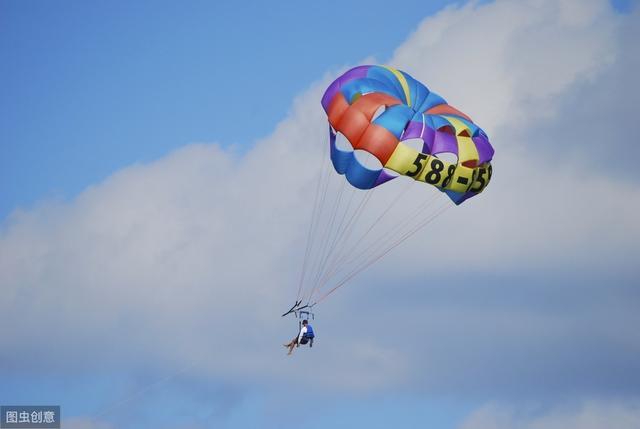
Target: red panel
{"x":447,"y":129}
{"x":378,"y":141}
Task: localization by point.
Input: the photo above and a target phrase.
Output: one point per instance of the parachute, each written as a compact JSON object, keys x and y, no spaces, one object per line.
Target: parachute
{"x":385,"y":125}
{"x":411,"y":111}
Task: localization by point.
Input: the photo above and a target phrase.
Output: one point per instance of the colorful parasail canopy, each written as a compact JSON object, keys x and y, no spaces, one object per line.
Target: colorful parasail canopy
{"x":379,"y":108}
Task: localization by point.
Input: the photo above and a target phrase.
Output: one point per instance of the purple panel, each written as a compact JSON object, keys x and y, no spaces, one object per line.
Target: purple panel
{"x":444,"y":142}
{"x":485,"y":151}
{"x":413,"y":131}
{"x":354,"y":73}
{"x":384,"y":177}
{"x":428,"y":136}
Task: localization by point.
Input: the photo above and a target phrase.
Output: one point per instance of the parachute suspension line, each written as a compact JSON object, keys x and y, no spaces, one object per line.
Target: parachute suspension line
{"x":341,"y":236}
{"x":331,"y":237}
{"x":348,"y":231}
{"x":380,"y":217}
{"x":395,"y":230}
{"x":142,"y":391}
{"x":403,"y":231}
{"x":327,"y":232}
{"x":321,"y":175}
{"x":370,"y":254}
{"x":338,"y":260}
{"x":381,"y":255}
{"x":338,"y":231}
{"x":316,"y":224}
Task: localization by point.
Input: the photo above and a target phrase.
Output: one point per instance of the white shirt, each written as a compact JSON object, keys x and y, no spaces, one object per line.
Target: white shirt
{"x":303,"y":331}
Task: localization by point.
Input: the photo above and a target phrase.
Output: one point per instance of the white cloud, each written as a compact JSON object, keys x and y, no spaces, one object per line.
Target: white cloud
{"x":190,"y":258}
{"x":81,"y":423}
{"x":507,"y":62}
{"x":511,"y":65}
{"x":587,"y":415}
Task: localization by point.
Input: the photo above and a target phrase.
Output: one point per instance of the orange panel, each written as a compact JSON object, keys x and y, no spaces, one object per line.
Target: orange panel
{"x":378,"y":141}
{"x":336,"y":109}
{"x":445,"y":109}
{"x":352,"y":124}
{"x":368,"y":104}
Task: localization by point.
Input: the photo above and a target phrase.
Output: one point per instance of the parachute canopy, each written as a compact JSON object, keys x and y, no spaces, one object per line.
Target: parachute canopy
{"x":378,"y":109}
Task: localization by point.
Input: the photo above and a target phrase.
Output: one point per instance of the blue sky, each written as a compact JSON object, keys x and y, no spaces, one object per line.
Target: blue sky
{"x":93,"y":87}
{"x":156,"y":162}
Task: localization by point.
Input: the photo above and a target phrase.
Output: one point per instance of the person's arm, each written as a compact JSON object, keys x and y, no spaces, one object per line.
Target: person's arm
{"x":302,"y":332}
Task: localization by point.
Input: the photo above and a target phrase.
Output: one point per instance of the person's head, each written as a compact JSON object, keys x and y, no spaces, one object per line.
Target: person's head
{"x":305,"y":322}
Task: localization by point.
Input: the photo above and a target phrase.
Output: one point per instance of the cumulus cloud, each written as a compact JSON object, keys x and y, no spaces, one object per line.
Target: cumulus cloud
{"x":513,"y":65}
{"x":587,"y":415}
{"x":508,"y":62}
{"x":192,"y":257}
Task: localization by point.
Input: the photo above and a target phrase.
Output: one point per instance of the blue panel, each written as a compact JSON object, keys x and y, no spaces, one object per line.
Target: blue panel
{"x":432,"y":100}
{"x":395,"y":119}
{"x":421,"y":95}
{"x":385,"y":75}
{"x":339,"y":158}
{"x":360,"y":176}
{"x":345,"y":162}
{"x":362,"y":86}
{"x":417,"y":117}
{"x":438,"y":121}
{"x":456,"y":197}
{"x":428,"y":119}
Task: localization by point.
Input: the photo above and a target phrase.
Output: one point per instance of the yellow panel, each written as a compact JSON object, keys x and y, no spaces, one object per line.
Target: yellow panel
{"x":402,"y":159}
{"x":403,"y":83}
{"x":457,"y":124}
{"x":483,"y":176}
{"x":466,"y":149}
{"x":435,"y":171}
{"x":427,"y":168}
{"x":462,"y":179}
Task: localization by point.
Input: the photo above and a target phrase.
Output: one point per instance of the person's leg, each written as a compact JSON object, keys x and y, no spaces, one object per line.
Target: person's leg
{"x":292,"y":344}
